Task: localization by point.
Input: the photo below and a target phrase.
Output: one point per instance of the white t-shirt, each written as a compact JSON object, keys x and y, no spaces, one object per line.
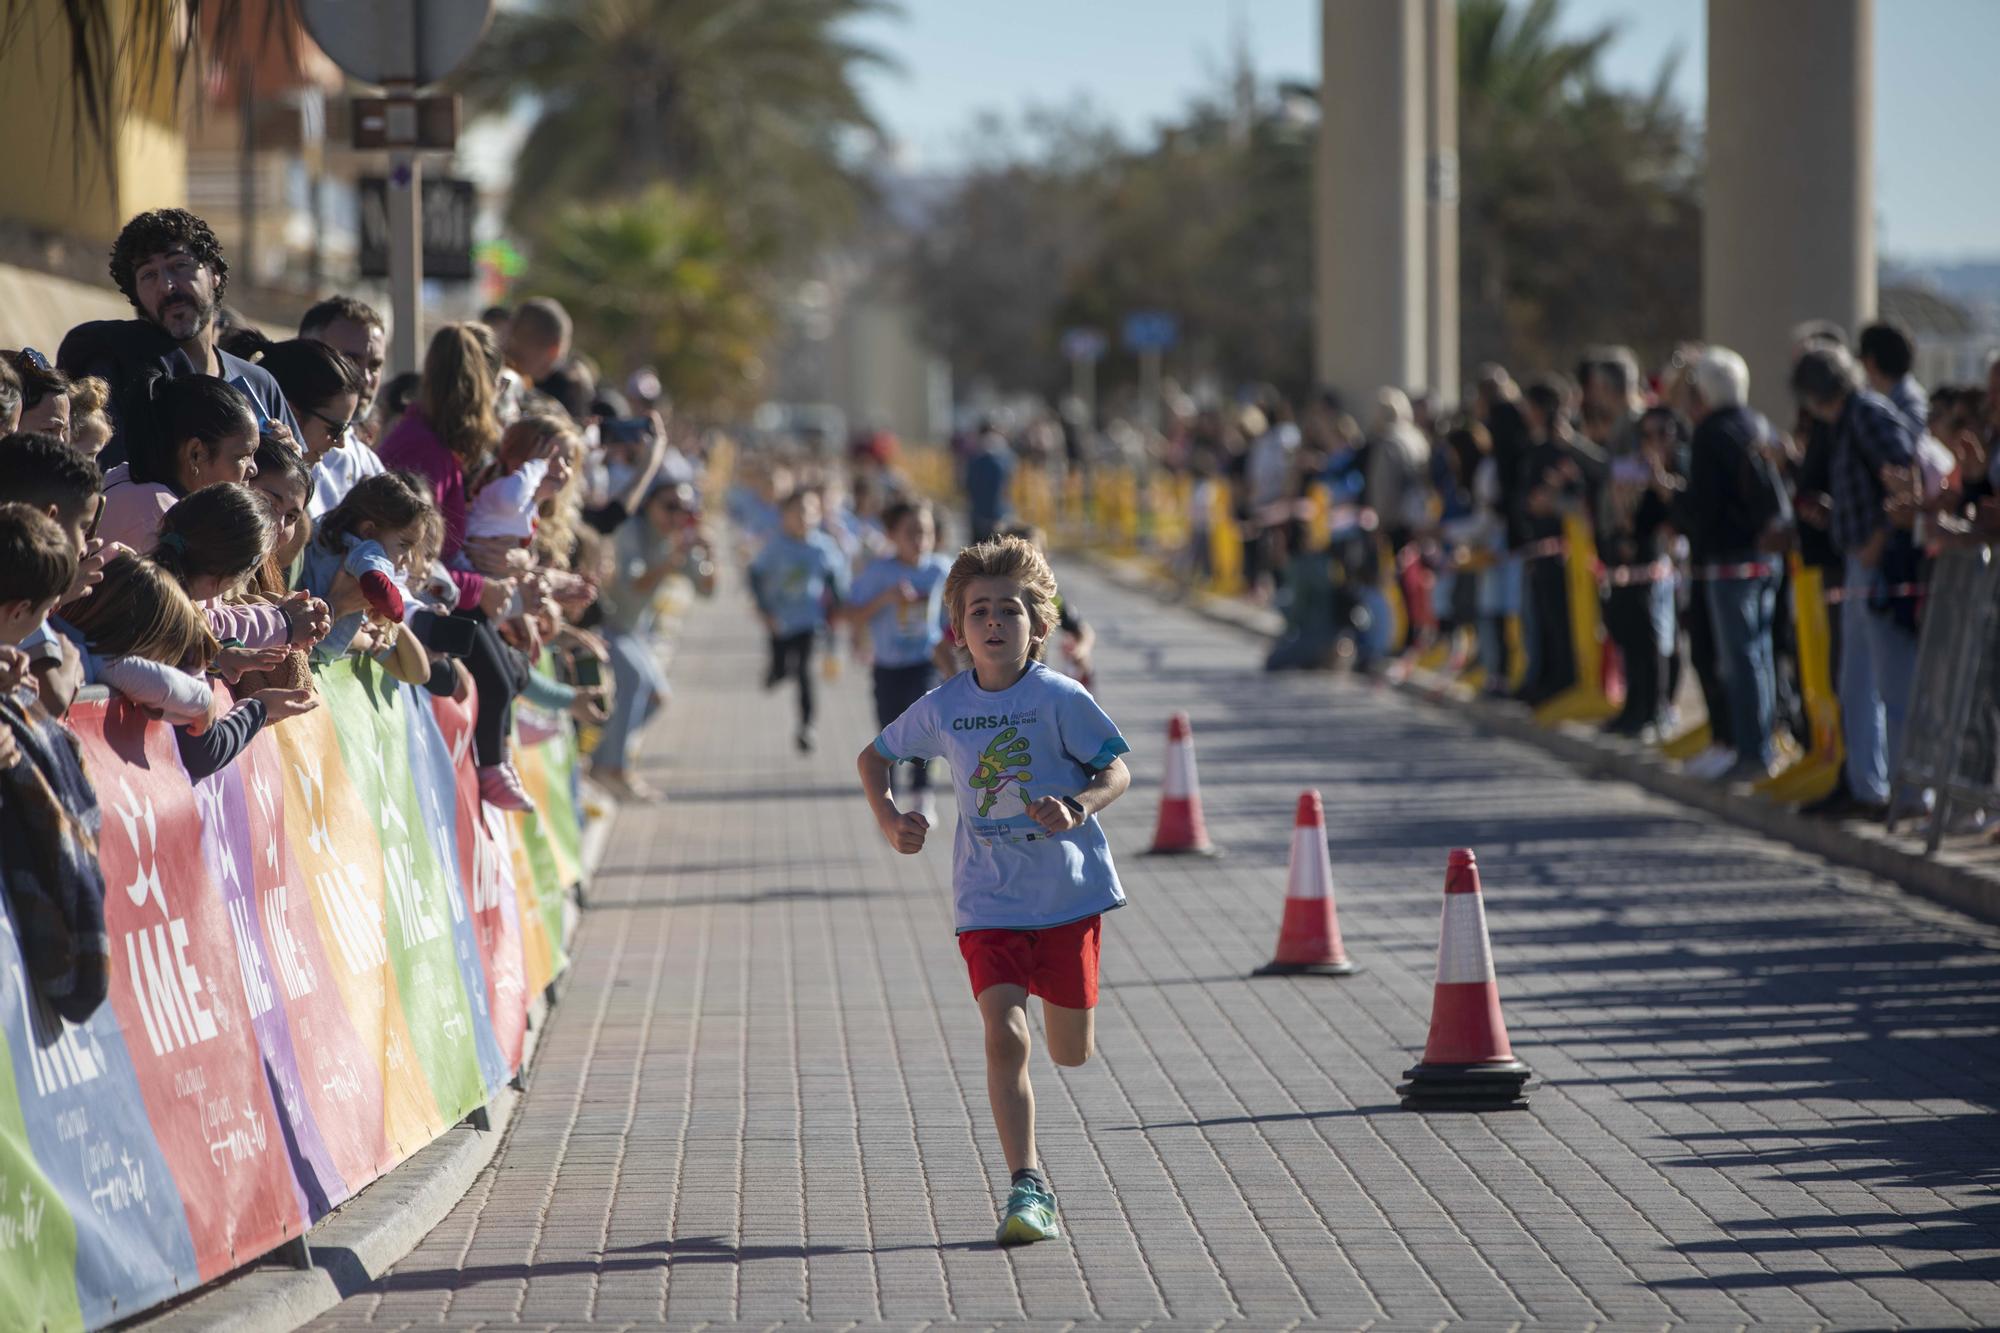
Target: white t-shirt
{"x":505,"y":506}
{"x":340,"y":471}
{"x":1042,"y":736}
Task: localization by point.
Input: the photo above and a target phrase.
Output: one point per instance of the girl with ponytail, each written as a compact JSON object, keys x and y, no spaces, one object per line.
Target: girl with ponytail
{"x":180,"y":435}
{"x":213,"y":543}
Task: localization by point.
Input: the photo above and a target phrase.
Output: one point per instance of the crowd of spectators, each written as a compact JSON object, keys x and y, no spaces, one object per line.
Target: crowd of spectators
{"x":197,"y":515}
{"x":1692,"y":510}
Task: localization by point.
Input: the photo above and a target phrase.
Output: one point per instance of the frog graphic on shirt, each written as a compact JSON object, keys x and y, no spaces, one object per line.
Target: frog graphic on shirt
{"x":1003,"y":764}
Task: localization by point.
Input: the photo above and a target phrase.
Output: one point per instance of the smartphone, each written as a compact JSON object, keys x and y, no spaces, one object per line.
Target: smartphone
{"x":451,"y":635}
{"x":626,"y":430}
{"x":588,"y":670}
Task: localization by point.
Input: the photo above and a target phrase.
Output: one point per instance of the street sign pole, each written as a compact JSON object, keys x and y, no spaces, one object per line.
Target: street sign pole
{"x":406,"y":259}
{"x":1083,"y":384}
{"x":401,"y":46}
{"x":1150,"y":333}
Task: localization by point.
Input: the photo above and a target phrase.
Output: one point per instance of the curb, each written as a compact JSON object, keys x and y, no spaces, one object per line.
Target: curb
{"x":353,"y":1246}
{"x":1946,"y":878}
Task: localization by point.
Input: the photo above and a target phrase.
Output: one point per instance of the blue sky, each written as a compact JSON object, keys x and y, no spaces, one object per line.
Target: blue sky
{"x":1137,"y":61}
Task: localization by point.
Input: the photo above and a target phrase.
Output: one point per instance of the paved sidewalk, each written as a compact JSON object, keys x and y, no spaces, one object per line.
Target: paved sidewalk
{"x":1766,"y":1086}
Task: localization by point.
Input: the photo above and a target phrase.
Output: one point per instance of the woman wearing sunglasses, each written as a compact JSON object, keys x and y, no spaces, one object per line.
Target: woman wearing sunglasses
{"x":322,"y":387}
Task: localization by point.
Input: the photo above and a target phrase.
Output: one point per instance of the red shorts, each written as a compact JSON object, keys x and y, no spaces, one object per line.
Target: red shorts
{"x":1059,"y":964}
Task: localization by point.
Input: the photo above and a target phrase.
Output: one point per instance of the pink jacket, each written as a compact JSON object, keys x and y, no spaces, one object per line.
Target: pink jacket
{"x":414,"y":446}
{"x":252,"y":624}
{"x":132,"y":509}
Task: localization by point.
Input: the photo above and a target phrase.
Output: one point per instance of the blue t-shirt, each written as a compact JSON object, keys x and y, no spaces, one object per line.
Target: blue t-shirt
{"x":1042,"y":736}
{"x":794,"y":579}
{"x":904,"y":633}
{"x":987,"y":475}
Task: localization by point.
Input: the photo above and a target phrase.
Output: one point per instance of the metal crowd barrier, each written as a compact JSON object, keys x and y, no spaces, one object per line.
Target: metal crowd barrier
{"x":1949,"y":736}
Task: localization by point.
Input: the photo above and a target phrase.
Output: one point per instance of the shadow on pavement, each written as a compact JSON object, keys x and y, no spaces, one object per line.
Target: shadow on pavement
{"x":649,"y":1257}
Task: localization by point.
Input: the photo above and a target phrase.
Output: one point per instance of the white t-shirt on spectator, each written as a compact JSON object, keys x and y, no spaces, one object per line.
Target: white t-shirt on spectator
{"x":505,"y":506}
{"x":340,"y":471}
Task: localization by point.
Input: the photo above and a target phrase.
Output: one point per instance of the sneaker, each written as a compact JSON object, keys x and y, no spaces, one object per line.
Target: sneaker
{"x":1031,"y":1216}
{"x":500,"y":785}
{"x":1749,"y":770}
{"x":805,"y":740}
{"x":630,"y":790}
{"x":1711,"y":763}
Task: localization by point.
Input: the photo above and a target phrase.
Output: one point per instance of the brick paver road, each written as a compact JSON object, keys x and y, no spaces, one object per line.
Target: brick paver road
{"x":1766,"y":1086}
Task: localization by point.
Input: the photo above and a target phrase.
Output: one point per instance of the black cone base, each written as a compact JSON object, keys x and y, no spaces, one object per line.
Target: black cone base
{"x":1342,"y":968}
{"x":1496,"y":1086}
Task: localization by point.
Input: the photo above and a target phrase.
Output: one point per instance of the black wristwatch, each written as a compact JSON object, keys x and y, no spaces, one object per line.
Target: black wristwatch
{"x":1075,"y":805}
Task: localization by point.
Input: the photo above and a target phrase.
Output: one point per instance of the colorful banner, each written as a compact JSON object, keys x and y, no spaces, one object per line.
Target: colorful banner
{"x":366,"y":707}
{"x":435,"y":782}
{"x":178,"y":997}
{"x":335,"y":1075}
{"x":322,"y":956}
{"x":546,"y":773}
{"x":486,"y":875}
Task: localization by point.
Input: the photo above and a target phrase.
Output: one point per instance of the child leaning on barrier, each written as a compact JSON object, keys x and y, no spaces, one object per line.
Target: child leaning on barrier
{"x":47,"y":475}
{"x":48,"y":811}
{"x":144,"y":637}
{"x":214,"y":542}
{"x":368,"y":538}
{"x":1033,"y":761}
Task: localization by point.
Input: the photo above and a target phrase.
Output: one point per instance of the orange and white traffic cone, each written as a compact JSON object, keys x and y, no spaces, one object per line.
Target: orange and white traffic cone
{"x":1309,"y":938}
{"x":1467,"y":1062}
{"x":1180,"y":831}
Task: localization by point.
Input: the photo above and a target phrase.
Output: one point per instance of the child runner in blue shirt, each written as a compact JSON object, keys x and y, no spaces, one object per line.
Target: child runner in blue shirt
{"x":900,"y":598}
{"x":1033,"y":761}
{"x":798,"y":578}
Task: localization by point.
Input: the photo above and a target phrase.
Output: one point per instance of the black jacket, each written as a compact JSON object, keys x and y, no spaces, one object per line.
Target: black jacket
{"x":117,"y":351}
{"x":1718,"y":510}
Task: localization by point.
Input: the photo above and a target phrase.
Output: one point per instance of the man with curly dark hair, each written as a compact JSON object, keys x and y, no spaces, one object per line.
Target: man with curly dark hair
{"x":171,"y":268}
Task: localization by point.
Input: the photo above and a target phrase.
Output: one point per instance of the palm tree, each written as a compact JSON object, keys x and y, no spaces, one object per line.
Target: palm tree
{"x":1580,"y":206}
{"x":103,"y":34}
{"x":755,"y":99}
{"x":660,"y":279}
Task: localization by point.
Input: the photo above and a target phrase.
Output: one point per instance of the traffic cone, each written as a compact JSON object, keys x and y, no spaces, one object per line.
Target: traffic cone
{"x":1467,"y":1062}
{"x":1180,"y":831}
{"x":1309,"y":938}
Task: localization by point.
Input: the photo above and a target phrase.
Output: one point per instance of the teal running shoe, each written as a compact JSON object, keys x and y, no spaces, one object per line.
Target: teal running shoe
{"x":1031,"y":1215}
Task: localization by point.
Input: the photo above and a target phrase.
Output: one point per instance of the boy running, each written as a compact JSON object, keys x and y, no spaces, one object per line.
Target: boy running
{"x":900,"y":598}
{"x":797,"y":578}
{"x":1034,"y":760}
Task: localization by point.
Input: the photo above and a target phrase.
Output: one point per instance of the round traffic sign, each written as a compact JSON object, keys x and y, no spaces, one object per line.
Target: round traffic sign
{"x":414,"y":42}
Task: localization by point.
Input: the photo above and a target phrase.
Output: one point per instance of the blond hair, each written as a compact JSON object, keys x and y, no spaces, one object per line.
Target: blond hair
{"x":1018,"y":562}
{"x":140,"y":610}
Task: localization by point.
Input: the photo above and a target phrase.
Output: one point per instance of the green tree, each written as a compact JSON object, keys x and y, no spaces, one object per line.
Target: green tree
{"x":1579,"y":223}
{"x":753,"y":100}
{"x":659,"y":279}
{"x":1580,"y":208}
